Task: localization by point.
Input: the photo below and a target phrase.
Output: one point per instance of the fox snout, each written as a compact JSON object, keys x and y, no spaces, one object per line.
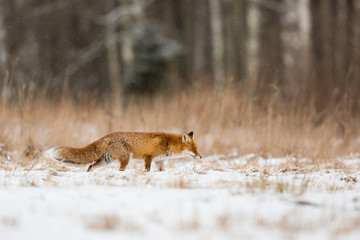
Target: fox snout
{"x":197,"y":156}
{"x":193,"y":154}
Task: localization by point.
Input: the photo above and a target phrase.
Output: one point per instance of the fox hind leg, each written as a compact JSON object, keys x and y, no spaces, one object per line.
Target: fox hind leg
{"x":123,"y":157}
{"x":93,"y":165}
{"x":105,"y":159}
{"x":122,"y":152}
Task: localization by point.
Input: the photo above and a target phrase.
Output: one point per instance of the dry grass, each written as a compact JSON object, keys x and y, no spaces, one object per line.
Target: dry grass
{"x":10,"y":222}
{"x":239,"y":175}
{"x":342,"y":225}
{"x":192,"y":224}
{"x":109,"y":222}
{"x":179,"y":182}
{"x":349,"y":224}
{"x":232,"y":120}
{"x":105,"y":222}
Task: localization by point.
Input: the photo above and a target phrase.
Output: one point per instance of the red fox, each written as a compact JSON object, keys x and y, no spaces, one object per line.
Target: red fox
{"x":150,"y":146}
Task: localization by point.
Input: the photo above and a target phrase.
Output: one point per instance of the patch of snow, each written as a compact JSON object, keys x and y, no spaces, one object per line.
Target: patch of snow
{"x":215,"y":198}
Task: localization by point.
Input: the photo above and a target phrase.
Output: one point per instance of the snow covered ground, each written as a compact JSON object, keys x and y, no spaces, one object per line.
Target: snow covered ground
{"x":219,"y":197}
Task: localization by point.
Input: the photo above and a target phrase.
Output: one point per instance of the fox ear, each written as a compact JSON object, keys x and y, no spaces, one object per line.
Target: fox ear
{"x":186,"y":138}
{"x":191,"y":134}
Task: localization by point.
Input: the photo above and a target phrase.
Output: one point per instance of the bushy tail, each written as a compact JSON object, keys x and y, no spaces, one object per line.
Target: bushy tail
{"x":50,"y":153}
{"x":87,"y":154}
{"x":68,"y":155}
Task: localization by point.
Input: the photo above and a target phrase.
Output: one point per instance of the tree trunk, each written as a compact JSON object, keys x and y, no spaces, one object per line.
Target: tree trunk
{"x":3,"y":50}
{"x":199,"y":39}
{"x":253,"y":22}
{"x":112,"y":57}
{"x":5,"y":92}
{"x":239,"y":40}
{"x":217,"y":43}
{"x":356,"y":43}
{"x":113,"y":62}
{"x":295,"y":23}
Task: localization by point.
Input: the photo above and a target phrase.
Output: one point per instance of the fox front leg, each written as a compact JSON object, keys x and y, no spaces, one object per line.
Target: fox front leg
{"x":160,"y":165}
{"x":148,"y":160}
{"x":124,"y":160}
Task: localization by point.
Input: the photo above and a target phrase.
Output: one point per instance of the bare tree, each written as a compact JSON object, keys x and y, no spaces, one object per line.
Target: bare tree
{"x":217,"y":43}
{"x":312,"y":45}
{"x":112,"y":56}
{"x":5,"y":91}
{"x":355,"y":40}
{"x":295,"y":38}
{"x":3,"y":49}
{"x":253,"y":21}
{"x":200,"y":19}
{"x":119,"y":15}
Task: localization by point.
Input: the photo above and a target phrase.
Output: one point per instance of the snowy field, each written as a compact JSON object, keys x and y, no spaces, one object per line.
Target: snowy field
{"x":219,"y":197}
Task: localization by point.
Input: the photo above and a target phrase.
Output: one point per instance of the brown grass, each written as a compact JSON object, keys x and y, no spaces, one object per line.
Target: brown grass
{"x":179,"y":182}
{"x":105,"y":222}
{"x":191,"y":224}
{"x":10,"y":222}
{"x":342,"y":225}
{"x":108,"y":222}
{"x":222,"y":122}
{"x":348,"y":225}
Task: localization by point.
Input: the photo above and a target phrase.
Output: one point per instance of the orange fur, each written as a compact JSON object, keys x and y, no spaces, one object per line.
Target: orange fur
{"x":87,"y":154}
{"x":145,"y":145}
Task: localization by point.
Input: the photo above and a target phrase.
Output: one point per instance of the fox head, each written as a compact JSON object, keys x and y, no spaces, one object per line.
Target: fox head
{"x":189,"y":145}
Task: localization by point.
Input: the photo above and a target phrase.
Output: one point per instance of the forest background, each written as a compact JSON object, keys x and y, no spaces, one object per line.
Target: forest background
{"x":274,"y":77}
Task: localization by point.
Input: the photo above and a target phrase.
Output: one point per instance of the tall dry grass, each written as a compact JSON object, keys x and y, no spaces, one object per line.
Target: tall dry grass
{"x":222,"y":122}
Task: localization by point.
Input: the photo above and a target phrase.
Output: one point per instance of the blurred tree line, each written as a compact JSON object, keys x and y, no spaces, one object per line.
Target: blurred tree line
{"x":307,"y":48}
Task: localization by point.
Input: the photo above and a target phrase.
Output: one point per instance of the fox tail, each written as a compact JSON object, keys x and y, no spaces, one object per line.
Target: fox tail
{"x":88,"y":154}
